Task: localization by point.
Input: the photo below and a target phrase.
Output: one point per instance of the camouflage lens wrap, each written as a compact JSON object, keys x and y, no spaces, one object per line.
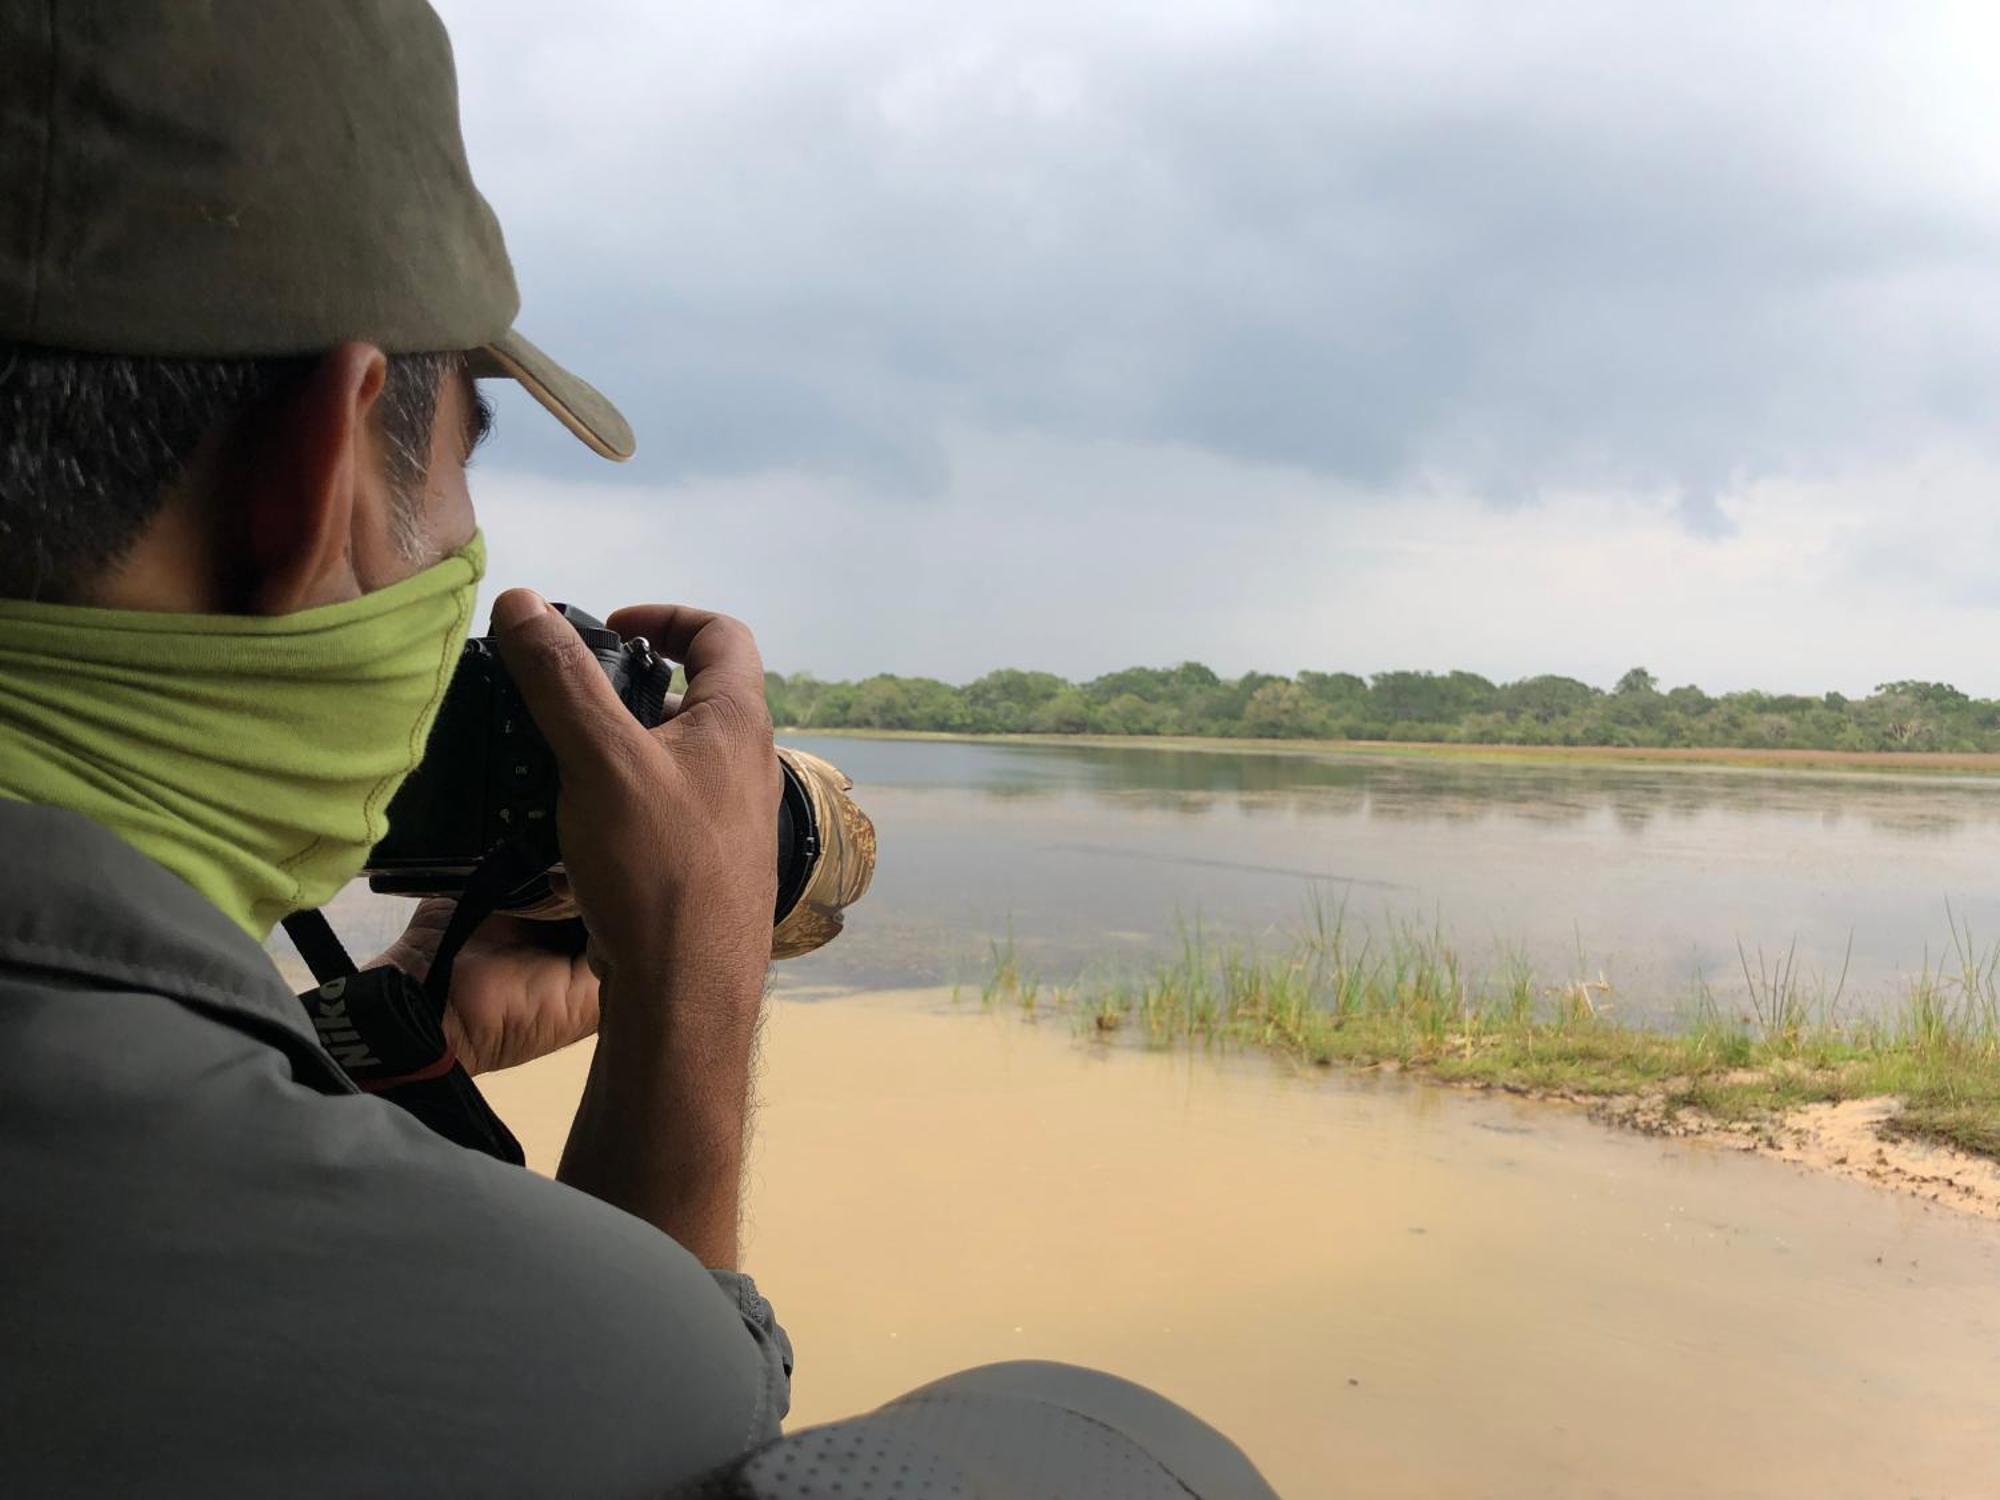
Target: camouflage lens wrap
{"x":846,"y":860}
{"x":840,"y":874}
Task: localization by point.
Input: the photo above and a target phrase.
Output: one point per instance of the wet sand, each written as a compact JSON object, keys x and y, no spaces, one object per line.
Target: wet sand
{"x":1376,"y":1287}
{"x":1849,"y":1139}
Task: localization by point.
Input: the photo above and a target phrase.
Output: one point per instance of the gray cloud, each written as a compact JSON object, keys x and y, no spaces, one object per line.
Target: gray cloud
{"x":1516,"y":247}
{"x":1537,"y":337}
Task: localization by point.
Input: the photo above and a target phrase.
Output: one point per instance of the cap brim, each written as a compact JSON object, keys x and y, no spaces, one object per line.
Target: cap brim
{"x":575,"y":402}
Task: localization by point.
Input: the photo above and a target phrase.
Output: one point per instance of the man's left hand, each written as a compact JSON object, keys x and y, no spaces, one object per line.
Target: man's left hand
{"x":520,"y":989}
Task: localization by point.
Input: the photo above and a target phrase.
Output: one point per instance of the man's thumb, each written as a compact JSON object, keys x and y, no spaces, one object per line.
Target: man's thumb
{"x":515,"y":608}
{"x":564,"y":686}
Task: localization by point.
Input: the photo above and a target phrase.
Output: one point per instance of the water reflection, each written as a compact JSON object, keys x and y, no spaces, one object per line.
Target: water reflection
{"x":1098,"y":859}
{"x":1304,"y":783}
{"x":1094,"y":857}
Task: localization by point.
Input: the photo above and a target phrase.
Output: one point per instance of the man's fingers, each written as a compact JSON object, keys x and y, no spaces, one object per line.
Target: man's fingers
{"x":564,"y":686}
{"x":719,"y":653}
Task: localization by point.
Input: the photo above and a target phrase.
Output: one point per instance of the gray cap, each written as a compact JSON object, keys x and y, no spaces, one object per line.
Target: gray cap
{"x":253,"y":177}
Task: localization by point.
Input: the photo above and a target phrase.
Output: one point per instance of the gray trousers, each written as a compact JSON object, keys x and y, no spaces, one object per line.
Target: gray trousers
{"x":1025,"y":1430}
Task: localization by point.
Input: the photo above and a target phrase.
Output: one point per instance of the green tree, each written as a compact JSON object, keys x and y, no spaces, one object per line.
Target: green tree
{"x":1547,"y":699}
{"x":1192,"y":698}
{"x":1128,"y":713}
{"x":1281,"y":709}
{"x":1005,"y":701}
{"x":1068,"y":712}
{"x":1343,"y":692}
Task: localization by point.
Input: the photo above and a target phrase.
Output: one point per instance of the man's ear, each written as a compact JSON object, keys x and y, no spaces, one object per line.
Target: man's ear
{"x":311,"y":474}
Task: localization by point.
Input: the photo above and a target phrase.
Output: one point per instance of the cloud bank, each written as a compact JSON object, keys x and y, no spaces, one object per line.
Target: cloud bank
{"x":1278,"y":334}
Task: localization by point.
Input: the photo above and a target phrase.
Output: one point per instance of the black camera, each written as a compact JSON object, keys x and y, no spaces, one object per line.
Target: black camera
{"x":488,"y":781}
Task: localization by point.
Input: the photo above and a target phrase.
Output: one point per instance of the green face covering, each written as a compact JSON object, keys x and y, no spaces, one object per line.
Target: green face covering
{"x":254,"y":756}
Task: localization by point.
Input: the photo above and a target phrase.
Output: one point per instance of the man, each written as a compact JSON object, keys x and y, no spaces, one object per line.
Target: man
{"x":245,"y":285}
{"x":238,"y":552}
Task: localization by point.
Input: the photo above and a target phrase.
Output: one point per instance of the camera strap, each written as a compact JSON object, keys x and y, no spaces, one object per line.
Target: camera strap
{"x":385,"y":1028}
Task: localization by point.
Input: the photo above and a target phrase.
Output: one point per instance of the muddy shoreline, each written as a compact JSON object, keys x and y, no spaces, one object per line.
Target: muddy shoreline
{"x":1845,"y":1139}
{"x":1850,"y":1139}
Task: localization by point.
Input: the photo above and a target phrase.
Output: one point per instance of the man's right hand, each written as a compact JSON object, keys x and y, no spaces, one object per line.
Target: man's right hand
{"x":669,"y":839}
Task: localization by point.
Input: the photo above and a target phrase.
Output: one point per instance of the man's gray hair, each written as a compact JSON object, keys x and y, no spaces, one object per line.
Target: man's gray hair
{"x":90,"y":444}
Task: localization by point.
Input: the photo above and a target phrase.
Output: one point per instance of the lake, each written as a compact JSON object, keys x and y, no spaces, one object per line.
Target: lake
{"x":1098,"y":858}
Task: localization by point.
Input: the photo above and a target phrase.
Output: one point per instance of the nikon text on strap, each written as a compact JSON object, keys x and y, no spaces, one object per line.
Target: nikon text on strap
{"x":385,"y":1028}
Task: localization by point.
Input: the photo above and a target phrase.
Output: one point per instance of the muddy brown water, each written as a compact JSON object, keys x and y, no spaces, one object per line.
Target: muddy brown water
{"x":1375,"y":1287}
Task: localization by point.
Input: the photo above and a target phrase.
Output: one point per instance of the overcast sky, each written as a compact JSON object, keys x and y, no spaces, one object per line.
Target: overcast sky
{"x":1522,"y":338}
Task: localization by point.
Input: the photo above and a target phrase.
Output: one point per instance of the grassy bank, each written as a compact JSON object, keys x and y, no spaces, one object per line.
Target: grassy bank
{"x":1406,"y":997}
{"x":1899,"y":761}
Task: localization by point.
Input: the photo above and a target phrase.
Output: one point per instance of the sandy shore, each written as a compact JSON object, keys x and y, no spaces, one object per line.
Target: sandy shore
{"x":1845,"y":1139}
{"x":1377,"y":1287}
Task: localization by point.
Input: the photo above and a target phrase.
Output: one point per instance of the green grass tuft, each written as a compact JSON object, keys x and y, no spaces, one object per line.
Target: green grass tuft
{"x":1338,"y":994}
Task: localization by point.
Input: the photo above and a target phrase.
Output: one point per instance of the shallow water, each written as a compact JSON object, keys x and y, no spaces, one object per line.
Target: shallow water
{"x":1376,"y":1288}
{"x":1654,"y":872}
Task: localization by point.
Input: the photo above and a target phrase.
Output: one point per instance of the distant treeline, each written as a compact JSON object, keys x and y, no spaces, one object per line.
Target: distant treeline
{"x":1459,"y":707}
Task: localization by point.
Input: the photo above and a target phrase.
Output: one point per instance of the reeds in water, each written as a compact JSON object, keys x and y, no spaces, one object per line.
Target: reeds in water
{"x":1403,"y":994}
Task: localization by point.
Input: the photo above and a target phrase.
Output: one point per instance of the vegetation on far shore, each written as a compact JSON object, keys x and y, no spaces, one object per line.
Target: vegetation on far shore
{"x":1406,"y":996}
{"x":1948,"y":762}
{"x":1451,"y":708}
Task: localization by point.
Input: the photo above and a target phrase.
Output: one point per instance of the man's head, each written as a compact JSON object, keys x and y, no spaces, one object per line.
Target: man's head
{"x":246,"y":285}
{"x":229,"y":485}
{"x":232,"y":236}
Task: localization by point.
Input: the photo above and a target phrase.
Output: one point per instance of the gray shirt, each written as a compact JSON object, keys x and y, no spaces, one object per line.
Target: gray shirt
{"x":223,"y":1270}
